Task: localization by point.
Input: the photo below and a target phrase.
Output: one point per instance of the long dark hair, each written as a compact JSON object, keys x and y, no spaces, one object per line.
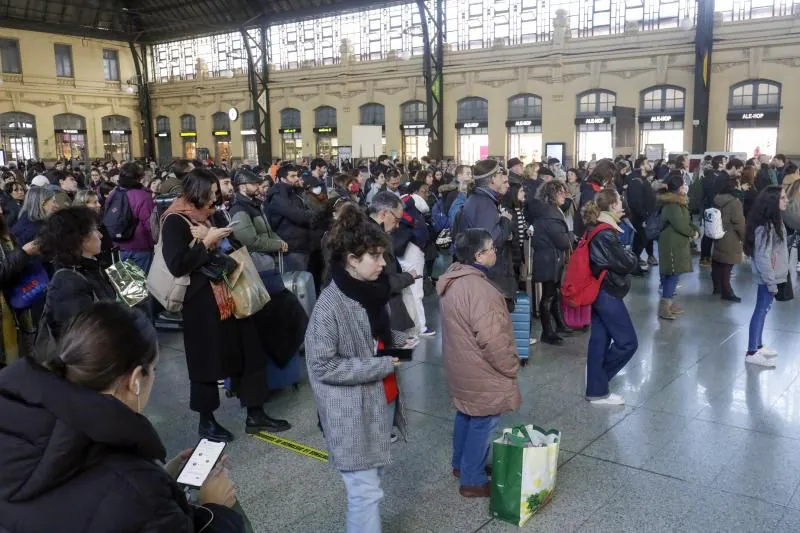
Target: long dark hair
{"x":765,"y":212}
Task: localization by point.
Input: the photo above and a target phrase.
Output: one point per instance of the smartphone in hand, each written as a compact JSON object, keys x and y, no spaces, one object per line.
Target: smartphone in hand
{"x":204,"y":458}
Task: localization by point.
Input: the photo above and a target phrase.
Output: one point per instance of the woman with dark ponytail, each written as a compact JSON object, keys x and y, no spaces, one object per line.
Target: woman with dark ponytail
{"x":76,"y":454}
{"x":354,"y":386}
{"x":613,"y":340}
{"x":765,"y":243}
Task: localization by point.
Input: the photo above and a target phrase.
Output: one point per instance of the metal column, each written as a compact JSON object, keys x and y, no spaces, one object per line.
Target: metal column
{"x":432,"y":63}
{"x":145,"y":107}
{"x":257,"y":46}
{"x":703,"y":43}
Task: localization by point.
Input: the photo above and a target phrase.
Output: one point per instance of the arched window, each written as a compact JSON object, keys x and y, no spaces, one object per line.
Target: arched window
{"x":473,"y":108}
{"x":69,"y":121}
{"x":325,"y":117}
{"x":524,"y":106}
{"x":162,"y":124}
{"x":220,"y":121}
{"x":116,"y":123}
{"x":372,"y":115}
{"x":18,"y":135}
{"x":188,"y":123}
{"x":596,"y":102}
{"x":414,"y":112}
{"x":756,"y":94}
{"x":666,"y":98}
{"x":290,"y":118}
{"x":249,"y":121}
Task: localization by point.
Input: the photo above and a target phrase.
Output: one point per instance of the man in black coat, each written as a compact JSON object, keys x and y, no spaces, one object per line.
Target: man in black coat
{"x":641,"y":204}
{"x":532,"y":203}
{"x":290,"y":217}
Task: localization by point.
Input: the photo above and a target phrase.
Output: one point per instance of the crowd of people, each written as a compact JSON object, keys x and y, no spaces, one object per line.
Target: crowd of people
{"x":375,"y":238}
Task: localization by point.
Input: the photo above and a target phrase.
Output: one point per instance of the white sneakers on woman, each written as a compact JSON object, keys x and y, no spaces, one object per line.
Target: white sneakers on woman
{"x":611,"y":399}
{"x":761,"y":358}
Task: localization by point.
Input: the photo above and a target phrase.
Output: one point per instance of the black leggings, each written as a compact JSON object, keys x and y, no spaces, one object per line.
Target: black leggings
{"x":721,"y":277}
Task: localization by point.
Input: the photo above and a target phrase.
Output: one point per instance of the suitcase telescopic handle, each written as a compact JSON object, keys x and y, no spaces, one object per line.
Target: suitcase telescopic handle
{"x":280,"y":261}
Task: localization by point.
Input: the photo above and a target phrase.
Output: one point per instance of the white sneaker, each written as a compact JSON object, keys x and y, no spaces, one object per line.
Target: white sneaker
{"x":759,"y":359}
{"x":766,"y":352}
{"x":532,"y":341}
{"x":612,"y":399}
{"x":797,"y":268}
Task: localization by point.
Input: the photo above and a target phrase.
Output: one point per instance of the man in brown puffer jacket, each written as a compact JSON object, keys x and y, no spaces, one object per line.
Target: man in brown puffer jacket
{"x":480,"y":356}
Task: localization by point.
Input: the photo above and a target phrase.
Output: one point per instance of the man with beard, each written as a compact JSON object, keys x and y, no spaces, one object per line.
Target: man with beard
{"x":290,"y":217}
{"x":250,"y":228}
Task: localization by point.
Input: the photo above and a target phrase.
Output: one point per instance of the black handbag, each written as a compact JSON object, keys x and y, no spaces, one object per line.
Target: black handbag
{"x":218,"y":266}
{"x":785,"y":290}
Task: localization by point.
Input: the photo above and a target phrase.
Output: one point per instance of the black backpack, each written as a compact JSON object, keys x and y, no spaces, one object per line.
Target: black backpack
{"x":118,"y":217}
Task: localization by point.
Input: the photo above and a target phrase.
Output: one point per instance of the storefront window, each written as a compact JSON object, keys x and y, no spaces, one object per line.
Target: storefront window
{"x":189,"y":136}
{"x":221,"y":130}
{"x":18,"y":133}
{"x":414,"y":125}
{"x":661,"y":116}
{"x":117,"y":138}
{"x":524,"y":127}
{"x":473,"y":129}
{"x":593,"y":122}
{"x":163,"y":141}
{"x":70,"y":134}
{"x":291,"y":136}
{"x":325,"y":129}
{"x":754,"y":110}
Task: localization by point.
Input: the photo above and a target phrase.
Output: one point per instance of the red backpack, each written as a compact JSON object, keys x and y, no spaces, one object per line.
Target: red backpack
{"x":580,"y":287}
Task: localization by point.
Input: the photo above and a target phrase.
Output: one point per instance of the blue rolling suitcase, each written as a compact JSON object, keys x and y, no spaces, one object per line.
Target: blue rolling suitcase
{"x":521,"y":318}
{"x":281,"y":378}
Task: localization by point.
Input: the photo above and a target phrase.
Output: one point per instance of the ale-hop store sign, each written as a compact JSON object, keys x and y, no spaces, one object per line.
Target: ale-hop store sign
{"x":592,"y":120}
{"x":655,"y":119}
{"x":753,"y":116}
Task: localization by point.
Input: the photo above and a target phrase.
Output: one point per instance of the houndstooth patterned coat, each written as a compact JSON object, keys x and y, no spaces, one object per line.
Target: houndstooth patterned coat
{"x":347,"y":380}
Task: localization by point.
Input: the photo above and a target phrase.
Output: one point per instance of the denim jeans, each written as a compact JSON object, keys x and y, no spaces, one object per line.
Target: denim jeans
{"x":471,"y":445}
{"x":763,"y":303}
{"x":142,"y":259}
{"x":364,"y":496}
{"x":669,"y":283}
{"x":611,"y":345}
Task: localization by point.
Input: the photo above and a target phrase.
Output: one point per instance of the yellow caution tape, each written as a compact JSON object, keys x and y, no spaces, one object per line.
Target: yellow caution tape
{"x":296,"y":447}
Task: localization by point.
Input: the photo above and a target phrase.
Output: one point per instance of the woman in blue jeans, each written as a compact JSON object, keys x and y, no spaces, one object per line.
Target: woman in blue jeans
{"x":677,"y":231}
{"x":765,"y":243}
{"x":480,"y":357}
{"x":613,"y":340}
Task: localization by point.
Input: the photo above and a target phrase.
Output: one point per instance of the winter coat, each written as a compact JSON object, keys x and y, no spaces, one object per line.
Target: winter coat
{"x":728,"y":249}
{"x":481,"y":211}
{"x":551,"y":242}
{"x":478,"y":347}
{"x":770,"y":258}
{"x":289,"y":216}
{"x":13,"y":262}
{"x":347,"y":380}
{"x":74,"y":460}
{"x":532,"y":202}
{"x":172,"y":185}
{"x":73,"y":290}
{"x":456,"y":207}
{"x":606,"y":253}
{"x":214,"y":348}
{"x":11,"y":209}
{"x":252,"y":229}
{"x":25,"y":230}
{"x":677,"y":231}
{"x":398,"y":280}
{"x":641,"y":198}
{"x":142,"y":205}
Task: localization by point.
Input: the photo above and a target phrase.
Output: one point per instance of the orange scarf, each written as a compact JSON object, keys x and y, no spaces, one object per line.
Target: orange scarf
{"x":182,"y":206}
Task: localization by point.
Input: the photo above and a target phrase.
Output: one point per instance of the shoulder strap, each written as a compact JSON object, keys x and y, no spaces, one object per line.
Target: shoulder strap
{"x":597,"y":229}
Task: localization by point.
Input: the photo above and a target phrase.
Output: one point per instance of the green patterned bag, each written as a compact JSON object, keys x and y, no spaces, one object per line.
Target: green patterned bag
{"x":524,"y":462}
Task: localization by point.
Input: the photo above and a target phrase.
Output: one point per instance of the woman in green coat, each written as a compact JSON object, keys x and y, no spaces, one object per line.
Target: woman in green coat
{"x":677,"y":231}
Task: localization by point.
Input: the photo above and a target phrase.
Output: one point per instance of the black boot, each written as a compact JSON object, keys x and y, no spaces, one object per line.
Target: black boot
{"x":210,"y":429}
{"x":257,"y":420}
{"x":549,"y":334}
{"x":558,"y":316}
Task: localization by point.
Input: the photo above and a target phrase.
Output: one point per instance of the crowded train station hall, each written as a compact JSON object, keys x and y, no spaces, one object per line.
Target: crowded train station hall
{"x":432,"y":266}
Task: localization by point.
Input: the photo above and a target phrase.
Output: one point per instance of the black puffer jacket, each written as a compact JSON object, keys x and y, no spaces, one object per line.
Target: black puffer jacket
{"x":73,"y":460}
{"x":289,"y":216}
{"x":607,"y":253}
{"x":641,"y":198}
{"x":551,"y":241}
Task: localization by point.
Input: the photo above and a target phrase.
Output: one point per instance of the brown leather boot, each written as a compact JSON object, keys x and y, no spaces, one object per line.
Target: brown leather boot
{"x":481,"y":491}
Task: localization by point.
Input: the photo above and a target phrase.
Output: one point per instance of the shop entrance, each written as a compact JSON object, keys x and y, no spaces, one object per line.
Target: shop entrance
{"x":753,"y":141}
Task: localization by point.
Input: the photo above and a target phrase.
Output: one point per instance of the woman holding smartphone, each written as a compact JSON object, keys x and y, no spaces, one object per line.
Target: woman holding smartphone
{"x":71,"y":432}
{"x":354,"y":386}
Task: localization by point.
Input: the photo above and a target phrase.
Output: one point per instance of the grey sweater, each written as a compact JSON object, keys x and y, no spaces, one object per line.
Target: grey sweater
{"x":770,"y":258}
{"x":347,"y":380}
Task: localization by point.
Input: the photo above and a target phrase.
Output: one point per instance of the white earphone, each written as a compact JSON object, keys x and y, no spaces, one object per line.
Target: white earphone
{"x":137,"y":387}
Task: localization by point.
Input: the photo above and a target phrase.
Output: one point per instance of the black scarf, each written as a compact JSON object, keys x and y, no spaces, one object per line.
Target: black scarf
{"x":373,"y":297}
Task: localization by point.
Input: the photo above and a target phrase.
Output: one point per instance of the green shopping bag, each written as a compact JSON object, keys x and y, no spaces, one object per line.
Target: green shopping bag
{"x":524,"y":463}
